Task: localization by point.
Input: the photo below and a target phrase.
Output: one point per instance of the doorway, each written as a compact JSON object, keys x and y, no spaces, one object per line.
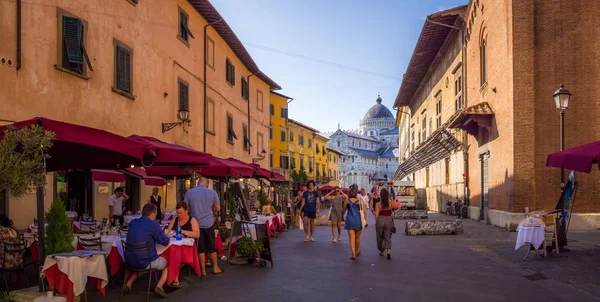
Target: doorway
{"x":485,"y":185}
{"x":79,"y":192}
{"x":132,"y":189}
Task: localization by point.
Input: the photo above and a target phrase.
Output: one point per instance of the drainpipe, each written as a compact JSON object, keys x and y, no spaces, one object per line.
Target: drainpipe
{"x":204,"y":80}
{"x":248,"y":101}
{"x":18,"y":34}
{"x":467,"y":192}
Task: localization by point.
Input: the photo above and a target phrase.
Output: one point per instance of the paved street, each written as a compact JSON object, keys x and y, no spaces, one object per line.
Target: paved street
{"x":466,"y":267}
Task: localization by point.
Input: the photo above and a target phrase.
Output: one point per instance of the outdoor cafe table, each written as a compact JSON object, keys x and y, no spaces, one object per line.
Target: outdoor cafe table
{"x":68,"y":273}
{"x":111,"y":246}
{"x":179,"y":252}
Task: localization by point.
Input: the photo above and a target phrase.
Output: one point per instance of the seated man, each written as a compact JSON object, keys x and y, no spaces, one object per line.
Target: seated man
{"x":146,"y":229}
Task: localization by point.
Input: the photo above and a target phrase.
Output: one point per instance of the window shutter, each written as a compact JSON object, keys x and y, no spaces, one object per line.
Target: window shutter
{"x":232,"y":74}
{"x":72,"y":38}
{"x":183,"y":96}
{"x":123,"y":72}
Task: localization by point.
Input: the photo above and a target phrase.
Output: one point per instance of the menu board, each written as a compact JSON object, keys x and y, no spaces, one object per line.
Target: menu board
{"x":262,"y":236}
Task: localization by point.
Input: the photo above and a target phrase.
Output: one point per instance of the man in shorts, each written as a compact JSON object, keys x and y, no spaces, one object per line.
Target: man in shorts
{"x":311,"y":204}
{"x":204,"y":203}
{"x":147,"y":231}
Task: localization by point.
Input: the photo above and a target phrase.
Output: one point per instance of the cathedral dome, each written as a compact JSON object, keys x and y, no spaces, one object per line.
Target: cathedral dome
{"x":378,"y":111}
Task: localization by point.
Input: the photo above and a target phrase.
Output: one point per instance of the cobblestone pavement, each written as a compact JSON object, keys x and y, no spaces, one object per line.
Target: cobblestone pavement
{"x":480,"y":265}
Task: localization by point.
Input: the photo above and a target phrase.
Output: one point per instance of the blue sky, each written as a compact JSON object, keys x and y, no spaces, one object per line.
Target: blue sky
{"x":377,"y":36}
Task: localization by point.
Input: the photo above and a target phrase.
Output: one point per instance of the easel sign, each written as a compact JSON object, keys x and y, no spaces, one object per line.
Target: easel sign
{"x":262,"y":236}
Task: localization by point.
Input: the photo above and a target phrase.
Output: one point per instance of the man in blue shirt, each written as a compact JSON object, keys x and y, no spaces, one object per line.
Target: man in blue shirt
{"x":311,"y":203}
{"x":204,"y":203}
{"x":146,"y":229}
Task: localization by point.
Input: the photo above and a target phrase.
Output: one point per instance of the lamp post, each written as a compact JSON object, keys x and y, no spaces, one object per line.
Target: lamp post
{"x":262,"y":156}
{"x":561,"y":100}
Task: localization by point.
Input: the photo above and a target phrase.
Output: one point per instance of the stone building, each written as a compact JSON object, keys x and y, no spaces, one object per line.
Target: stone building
{"x":370,"y":153}
{"x":515,"y":56}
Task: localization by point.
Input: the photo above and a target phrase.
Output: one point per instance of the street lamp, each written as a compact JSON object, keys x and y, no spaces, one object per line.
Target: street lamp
{"x":262,"y":156}
{"x":561,"y":100}
{"x":184,"y":118}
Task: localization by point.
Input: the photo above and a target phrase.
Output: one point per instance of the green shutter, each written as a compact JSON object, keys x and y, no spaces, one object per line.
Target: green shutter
{"x":72,"y":39}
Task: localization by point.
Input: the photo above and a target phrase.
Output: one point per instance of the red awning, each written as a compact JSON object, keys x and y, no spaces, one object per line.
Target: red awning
{"x":167,"y":172}
{"x":80,"y":147}
{"x":108,"y":176}
{"x":278,"y":177}
{"x":258,"y":171}
{"x":148,"y":180}
{"x":216,"y":168}
{"x":579,"y":158}
{"x":171,"y":154}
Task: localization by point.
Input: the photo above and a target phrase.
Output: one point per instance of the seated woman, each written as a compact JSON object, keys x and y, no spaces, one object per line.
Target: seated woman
{"x":269,"y":209}
{"x":8,"y":235}
{"x":189,"y":226}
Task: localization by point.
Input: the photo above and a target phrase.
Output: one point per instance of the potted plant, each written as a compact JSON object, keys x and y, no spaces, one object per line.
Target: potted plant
{"x":59,"y":234}
{"x":247,"y":250}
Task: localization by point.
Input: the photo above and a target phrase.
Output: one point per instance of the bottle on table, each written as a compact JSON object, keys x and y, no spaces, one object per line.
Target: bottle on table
{"x":178,"y":232}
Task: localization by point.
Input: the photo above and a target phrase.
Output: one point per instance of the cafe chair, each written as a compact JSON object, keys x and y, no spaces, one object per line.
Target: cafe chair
{"x":90,"y":243}
{"x":14,"y":250}
{"x":138,"y":248}
{"x":87,"y":227}
{"x":551,"y":234}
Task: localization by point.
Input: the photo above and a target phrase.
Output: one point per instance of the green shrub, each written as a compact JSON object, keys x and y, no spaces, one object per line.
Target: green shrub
{"x":245,"y":248}
{"x":59,"y":234}
{"x":8,"y":297}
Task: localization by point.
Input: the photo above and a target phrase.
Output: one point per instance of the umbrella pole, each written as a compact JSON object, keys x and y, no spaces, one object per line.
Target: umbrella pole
{"x":41,"y":230}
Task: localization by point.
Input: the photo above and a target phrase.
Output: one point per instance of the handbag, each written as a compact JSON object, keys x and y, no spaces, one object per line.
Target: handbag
{"x":363,"y":215}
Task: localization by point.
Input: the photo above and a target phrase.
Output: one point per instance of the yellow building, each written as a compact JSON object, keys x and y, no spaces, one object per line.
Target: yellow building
{"x":278,"y":134}
{"x":321,"y":159}
{"x":333,"y":166}
{"x":301,"y":143}
{"x":129,"y":67}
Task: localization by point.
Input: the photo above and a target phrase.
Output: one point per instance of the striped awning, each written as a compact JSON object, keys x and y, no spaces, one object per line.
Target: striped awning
{"x":440,"y":145}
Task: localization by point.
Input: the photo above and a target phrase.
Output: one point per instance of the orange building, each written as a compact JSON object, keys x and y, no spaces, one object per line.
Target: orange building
{"x":129,"y":67}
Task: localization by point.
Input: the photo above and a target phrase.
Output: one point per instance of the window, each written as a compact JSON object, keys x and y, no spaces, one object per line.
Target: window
{"x":209,"y":121}
{"x":292,"y":162}
{"x":123,"y":69}
{"x":338,"y":143}
{"x":447,"y":162}
{"x":412,"y":139}
{"x":310,"y":165}
{"x":458,"y":99}
{"x":283,"y":135}
{"x":184,"y":29}
{"x":245,"y":89}
{"x":438,"y":111}
{"x":483,"y":60}
{"x":301,"y":140}
{"x":271,"y":161}
{"x":229,"y":72}
{"x":210,"y":52}
{"x":260,"y":144}
{"x":310,"y":143}
{"x":72,"y":55}
{"x":246,"y":137}
{"x":133,"y":2}
{"x":230,"y":132}
{"x":271,"y":132}
{"x":184,"y":97}
{"x":302,"y":163}
{"x":272,"y":109}
{"x":292,"y":137}
{"x":284,"y":162}
{"x":259,"y":100}
{"x":427,"y":177}
{"x":424,"y":128}
{"x":284,"y":112}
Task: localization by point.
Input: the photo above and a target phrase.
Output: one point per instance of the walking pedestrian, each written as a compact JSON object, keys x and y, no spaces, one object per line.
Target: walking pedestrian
{"x":310,"y":208}
{"x":365,"y":198}
{"x":297,"y":208}
{"x":338,"y":203}
{"x":204,"y":204}
{"x":376,"y":198}
{"x":384,"y":223}
{"x":356,"y":212}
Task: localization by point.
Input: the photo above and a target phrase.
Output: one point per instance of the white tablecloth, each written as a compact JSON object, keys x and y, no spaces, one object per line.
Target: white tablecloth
{"x":71,"y":214}
{"x":168,"y":215}
{"x":128,"y":218}
{"x":80,"y":268}
{"x":108,"y":242}
{"x":533,"y":235}
{"x":184,"y":241}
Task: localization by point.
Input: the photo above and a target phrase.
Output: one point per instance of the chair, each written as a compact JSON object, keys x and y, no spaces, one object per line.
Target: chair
{"x":137,"y":248}
{"x":15,"y":250}
{"x":552,"y":230}
{"x":90,"y":243}
{"x":87,"y":227}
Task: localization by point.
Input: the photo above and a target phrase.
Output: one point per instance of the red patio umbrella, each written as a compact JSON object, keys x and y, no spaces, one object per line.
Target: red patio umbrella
{"x":216,"y":168}
{"x":326,"y":189}
{"x":81,"y":147}
{"x":148,"y":180}
{"x":579,"y":158}
{"x":171,"y":154}
{"x":259,"y":171}
{"x":278,"y":177}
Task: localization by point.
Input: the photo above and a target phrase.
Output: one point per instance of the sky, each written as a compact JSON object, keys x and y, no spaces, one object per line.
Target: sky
{"x":364,"y":47}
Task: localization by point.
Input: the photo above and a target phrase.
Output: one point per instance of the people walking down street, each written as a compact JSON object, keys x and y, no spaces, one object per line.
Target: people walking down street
{"x":356,"y":212}
{"x":375,"y":199}
{"x":338,"y":204}
{"x":204,"y":204}
{"x":365,"y":198}
{"x":297,"y":204}
{"x":384,"y":223}
{"x":311,"y":204}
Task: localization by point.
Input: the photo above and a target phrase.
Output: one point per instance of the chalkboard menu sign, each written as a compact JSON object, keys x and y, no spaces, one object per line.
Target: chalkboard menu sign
{"x":262,"y":236}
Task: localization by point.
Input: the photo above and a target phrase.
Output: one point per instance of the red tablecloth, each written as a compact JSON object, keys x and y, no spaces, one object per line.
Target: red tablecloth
{"x":177,"y":255}
{"x":114,"y":260}
{"x":61,"y":283}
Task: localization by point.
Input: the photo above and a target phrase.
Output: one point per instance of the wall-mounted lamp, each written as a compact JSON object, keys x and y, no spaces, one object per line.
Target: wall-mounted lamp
{"x":184,"y":118}
{"x":262,"y":156}
{"x":272,"y":189}
{"x":259,"y":187}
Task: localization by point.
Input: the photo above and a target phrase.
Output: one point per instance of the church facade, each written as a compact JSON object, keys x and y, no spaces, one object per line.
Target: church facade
{"x":370,"y":153}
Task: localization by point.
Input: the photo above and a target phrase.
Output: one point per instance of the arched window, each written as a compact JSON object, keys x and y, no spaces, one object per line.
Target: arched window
{"x":483,"y":57}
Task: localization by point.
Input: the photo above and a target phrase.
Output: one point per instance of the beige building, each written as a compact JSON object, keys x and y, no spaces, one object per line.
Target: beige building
{"x":129,"y":67}
{"x":431,"y":154}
